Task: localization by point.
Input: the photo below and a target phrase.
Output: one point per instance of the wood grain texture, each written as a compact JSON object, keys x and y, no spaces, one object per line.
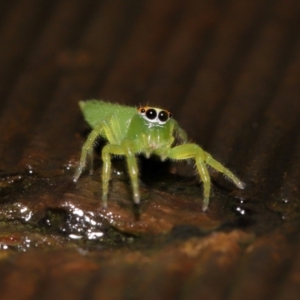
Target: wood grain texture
{"x":230,"y":73}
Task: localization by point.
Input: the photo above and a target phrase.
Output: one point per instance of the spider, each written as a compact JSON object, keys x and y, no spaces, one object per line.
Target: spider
{"x":146,"y":130}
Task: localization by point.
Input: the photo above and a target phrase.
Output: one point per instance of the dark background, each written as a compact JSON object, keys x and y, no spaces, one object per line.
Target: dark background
{"x":230,"y":73}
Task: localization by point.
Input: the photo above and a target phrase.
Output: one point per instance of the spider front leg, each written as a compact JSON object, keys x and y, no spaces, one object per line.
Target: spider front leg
{"x":125,"y":149}
{"x":187,"y":151}
{"x":106,"y":169}
{"x":129,"y":151}
{"x":180,"y":133}
{"x":220,"y":168}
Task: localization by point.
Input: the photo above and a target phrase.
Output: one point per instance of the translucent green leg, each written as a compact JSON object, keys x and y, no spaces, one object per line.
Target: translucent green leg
{"x":187,"y":151}
{"x":133,"y":173}
{"x":203,"y":172}
{"x":180,"y":133}
{"x":106,"y":169}
{"x":87,"y":151}
{"x":132,"y":169}
{"x":219,"y":167}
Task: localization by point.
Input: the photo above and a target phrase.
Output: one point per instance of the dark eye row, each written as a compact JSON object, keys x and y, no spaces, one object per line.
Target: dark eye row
{"x":151,"y":114}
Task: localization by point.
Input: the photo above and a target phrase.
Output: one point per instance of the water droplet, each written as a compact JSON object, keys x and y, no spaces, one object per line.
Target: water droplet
{"x":75,"y":236}
{"x":240,"y":210}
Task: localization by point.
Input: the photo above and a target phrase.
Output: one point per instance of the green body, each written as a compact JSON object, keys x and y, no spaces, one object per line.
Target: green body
{"x":129,"y":133}
{"x":96,"y":112}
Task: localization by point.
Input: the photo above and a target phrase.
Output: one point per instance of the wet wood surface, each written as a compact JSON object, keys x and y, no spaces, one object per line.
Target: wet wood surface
{"x":230,"y":73}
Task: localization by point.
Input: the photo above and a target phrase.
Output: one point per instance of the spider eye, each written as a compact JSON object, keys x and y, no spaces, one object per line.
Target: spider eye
{"x":151,"y":114}
{"x":163,"y":116}
{"x":141,"y":110}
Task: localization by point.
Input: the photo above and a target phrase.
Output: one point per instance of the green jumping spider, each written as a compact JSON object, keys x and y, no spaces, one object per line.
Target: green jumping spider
{"x":146,"y":130}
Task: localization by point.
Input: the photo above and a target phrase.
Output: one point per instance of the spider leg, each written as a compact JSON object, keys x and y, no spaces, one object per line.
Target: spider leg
{"x":129,"y":152}
{"x":203,"y":172}
{"x":87,"y":151}
{"x":125,"y":149}
{"x":220,"y":168}
{"x":106,"y":169}
{"x":87,"y":148}
{"x":188,"y":151}
{"x":180,"y":133}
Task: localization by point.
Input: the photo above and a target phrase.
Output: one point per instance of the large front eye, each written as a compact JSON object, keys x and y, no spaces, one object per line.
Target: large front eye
{"x":163,"y":116}
{"x":151,"y":114}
